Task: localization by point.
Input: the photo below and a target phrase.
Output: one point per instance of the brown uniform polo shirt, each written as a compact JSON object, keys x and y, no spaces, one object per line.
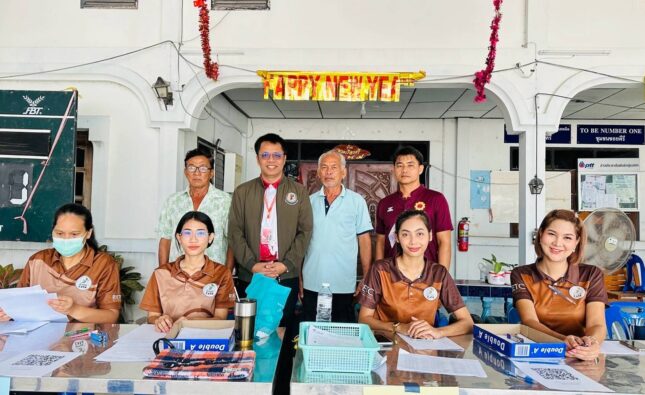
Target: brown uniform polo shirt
{"x":563,"y":314}
{"x":93,"y":282}
{"x":173,"y":292}
{"x":396,"y":298}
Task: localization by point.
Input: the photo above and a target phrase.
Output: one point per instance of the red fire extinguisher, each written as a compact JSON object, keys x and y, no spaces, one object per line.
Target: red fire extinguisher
{"x":462,"y":234}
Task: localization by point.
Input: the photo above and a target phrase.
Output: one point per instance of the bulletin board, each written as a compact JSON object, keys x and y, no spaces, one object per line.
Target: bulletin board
{"x":608,"y":190}
{"x":505,"y":194}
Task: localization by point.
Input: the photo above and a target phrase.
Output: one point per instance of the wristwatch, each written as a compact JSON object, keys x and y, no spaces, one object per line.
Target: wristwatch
{"x":395,"y":326}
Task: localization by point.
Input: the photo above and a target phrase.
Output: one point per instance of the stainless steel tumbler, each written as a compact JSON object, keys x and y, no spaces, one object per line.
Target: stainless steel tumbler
{"x":245,"y":323}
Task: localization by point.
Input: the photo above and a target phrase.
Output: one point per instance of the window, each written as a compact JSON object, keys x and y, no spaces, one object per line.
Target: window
{"x":83,"y":173}
{"x":240,"y":4}
{"x":132,"y":4}
{"x":218,"y":156}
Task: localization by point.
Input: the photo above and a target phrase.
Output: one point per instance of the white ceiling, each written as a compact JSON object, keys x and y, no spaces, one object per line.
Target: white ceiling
{"x":426,"y":103}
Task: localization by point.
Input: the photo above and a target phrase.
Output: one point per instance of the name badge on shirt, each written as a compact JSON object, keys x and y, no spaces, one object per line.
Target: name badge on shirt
{"x":209,"y":290}
{"x":291,"y":198}
{"x":430,"y":293}
{"x":84,"y":283}
{"x":577,"y":292}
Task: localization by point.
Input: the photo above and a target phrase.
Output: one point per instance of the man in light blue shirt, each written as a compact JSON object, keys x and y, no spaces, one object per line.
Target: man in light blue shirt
{"x":341,"y":229}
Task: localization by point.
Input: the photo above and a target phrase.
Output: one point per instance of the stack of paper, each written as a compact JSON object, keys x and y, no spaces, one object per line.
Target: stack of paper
{"x":135,"y":346}
{"x":40,"y":339}
{"x":29,"y":304}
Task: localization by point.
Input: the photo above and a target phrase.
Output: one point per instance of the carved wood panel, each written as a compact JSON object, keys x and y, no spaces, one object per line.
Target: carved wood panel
{"x":373,"y":182}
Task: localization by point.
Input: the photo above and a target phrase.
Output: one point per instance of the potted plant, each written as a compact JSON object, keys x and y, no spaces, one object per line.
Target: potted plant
{"x":500,"y":272}
{"x":9,"y":276}
{"x":129,"y":282}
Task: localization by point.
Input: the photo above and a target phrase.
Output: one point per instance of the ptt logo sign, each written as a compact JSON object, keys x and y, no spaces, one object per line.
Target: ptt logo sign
{"x":33,"y":108}
{"x":584,"y":165}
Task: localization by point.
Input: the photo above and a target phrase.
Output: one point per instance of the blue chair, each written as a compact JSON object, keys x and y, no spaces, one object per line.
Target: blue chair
{"x":618,"y":317}
{"x":513,"y":316}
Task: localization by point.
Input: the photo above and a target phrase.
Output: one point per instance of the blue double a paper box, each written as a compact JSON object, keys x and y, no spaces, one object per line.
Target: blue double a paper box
{"x":202,"y":335}
{"x":503,"y":339}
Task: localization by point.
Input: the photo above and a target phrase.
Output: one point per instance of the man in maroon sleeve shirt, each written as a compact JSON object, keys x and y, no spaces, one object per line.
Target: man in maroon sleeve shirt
{"x":408,"y":166}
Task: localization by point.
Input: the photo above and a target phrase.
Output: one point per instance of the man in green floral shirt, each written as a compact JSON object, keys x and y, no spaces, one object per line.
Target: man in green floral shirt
{"x":202,"y":196}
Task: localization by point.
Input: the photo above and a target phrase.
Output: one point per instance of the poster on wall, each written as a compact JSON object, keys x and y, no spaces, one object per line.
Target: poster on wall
{"x":608,"y":182}
{"x":480,"y":189}
{"x":608,"y":190}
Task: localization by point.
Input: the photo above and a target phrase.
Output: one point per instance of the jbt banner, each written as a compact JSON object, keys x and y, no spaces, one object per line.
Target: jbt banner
{"x":29,"y":122}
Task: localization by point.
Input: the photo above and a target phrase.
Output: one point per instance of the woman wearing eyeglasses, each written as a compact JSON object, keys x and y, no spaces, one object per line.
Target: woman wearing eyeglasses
{"x":558,"y":295}
{"x":193,"y":286}
{"x":402,"y":295}
{"x":85,"y":279}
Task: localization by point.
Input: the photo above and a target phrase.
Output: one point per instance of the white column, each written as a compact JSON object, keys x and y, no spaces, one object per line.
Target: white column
{"x":170,"y":161}
{"x":531,"y":207}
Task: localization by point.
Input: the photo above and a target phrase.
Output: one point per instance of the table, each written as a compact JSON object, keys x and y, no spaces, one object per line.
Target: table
{"x":84,"y":374}
{"x":623,"y":374}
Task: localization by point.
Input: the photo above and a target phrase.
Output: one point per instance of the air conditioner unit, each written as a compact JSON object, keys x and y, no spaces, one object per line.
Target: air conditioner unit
{"x":232,"y":171}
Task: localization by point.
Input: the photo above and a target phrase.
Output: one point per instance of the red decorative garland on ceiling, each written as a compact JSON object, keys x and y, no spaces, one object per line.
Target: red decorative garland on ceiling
{"x":211,"y":68}
{"x":482,"y":77}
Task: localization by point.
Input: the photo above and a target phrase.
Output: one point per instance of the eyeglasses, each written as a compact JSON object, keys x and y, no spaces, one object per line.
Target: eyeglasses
{"x":275,"y":155}
{"x":199,"y":233}
{"x":201,"y":169}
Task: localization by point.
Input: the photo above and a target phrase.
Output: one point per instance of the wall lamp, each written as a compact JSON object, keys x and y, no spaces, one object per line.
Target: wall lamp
{"x":536,"y":185}
{"x":162,"y":89}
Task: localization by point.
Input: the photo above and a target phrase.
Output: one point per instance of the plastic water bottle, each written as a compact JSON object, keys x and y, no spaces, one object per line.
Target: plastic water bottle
{"x":323,"y":311}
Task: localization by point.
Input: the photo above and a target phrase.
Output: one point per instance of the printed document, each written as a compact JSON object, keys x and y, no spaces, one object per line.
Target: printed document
{"x":443,"y":344}
{"x":29,"y":304}
{"x":560,"y":377}
{"x":35,"y":363}
{"x":440,"y":365}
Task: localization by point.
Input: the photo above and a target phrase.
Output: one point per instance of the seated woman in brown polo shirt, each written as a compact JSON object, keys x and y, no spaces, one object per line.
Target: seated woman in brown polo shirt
{"x":558,"y":295}
{"x":86,"y":280}
{"x":402,"y":295}
{"x":193,"y":286}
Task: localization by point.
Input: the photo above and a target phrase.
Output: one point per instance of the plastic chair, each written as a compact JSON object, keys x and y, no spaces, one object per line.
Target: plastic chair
{"x":618,"y":320}
{"x":513,"y":316}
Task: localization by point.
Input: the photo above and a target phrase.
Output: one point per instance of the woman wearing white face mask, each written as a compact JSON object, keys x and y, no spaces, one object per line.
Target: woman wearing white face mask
{"x":85,"y":280}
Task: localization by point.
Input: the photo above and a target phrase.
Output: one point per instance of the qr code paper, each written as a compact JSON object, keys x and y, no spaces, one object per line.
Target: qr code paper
{"x":555,"y":374}
{"x":38,"y":360}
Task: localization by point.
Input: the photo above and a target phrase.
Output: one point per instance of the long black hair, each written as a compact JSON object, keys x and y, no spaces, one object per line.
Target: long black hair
{"x":406,"y":215}
{"x":199,"y":217}
{"x":83,"y":212}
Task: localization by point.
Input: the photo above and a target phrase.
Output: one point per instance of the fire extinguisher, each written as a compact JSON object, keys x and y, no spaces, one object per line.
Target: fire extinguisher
{"x":462,"y":234}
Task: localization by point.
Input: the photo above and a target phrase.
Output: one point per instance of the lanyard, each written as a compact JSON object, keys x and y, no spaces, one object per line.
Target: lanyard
{"x":268,"y":207}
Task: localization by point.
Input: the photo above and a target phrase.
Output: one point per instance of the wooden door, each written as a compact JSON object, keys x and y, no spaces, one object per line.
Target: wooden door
{"x":372,"y":181}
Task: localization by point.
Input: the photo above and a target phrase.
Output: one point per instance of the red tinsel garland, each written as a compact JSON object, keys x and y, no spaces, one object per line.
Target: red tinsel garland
{"x":482,"y":77}
{"x":211,"y":68}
